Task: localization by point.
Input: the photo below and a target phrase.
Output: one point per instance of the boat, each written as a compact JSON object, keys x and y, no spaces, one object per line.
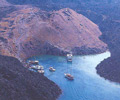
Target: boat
{"x":41,"y":71}
{"x":69,"y":57}
{"x":37,"y":67}
{"x":32,"y":67}
{"x":52,"y":69}
{"x":34,"y":62}
{"x":69,"y":76}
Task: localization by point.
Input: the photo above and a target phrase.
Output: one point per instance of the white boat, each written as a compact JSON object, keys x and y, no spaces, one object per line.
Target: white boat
{"x":34,"y":62}
{"x":33,"y":67}
{"x":41,"y":71}
{"x":69,"y":76}
{"x":52,"y":69}
{"x":69,"y":57}
{"x":38,"y":67}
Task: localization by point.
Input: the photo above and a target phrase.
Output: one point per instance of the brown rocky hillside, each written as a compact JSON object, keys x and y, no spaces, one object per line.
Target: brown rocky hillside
{"x":30,"y":31}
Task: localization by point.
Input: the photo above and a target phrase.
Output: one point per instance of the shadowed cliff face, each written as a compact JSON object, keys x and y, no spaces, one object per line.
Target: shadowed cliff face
{"x":18,"y":83}
{"x":29,"y":31}
{"x":110,"y":68}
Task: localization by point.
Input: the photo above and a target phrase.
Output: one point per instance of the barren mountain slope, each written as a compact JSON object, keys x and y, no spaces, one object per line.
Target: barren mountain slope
{"x":30,"y":31}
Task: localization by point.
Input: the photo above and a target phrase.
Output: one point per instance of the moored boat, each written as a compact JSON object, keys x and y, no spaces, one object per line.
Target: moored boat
{"x":41,"y":71}
{"x":37,"y":67}
{"x":52,"y":69}
{"x":69,"y":57}
{"x":34,"y":62}
{"x":69,"y":76}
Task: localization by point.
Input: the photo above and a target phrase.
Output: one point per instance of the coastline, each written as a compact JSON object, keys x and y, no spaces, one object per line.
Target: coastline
{"x":82,"y":67}
{"x":17,"y":81}
{"x":76,"y":54}
{"x":109,"y":70}
{"x":32,"y":29}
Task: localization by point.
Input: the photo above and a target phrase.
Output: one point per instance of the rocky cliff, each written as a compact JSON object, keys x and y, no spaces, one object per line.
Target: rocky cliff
{"x":105,"y":13}
{"x":110,"y":68}
{"x":29,"y":31}
{"x":18,"y":83}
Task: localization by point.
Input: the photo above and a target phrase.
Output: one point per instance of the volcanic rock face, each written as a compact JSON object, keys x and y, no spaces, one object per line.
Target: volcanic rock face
{"x":29,"y":31}
{"x":18,"y":83}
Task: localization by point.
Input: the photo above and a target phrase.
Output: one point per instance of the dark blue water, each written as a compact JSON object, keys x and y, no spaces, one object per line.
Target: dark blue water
{"x":87,"y":85}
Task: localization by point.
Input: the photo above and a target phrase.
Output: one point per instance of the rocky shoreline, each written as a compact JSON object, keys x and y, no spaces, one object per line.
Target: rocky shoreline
{"x":110,"y":68}
{"x":16,"y":21}
{"x":28,"y":31}
{"x":18,"y":83}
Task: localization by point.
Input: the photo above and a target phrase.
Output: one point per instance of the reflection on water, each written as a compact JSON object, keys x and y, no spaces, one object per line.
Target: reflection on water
{"x":87,"y":85}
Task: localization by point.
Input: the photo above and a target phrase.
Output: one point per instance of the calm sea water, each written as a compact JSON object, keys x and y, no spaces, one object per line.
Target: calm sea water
{"x":87,"y":85}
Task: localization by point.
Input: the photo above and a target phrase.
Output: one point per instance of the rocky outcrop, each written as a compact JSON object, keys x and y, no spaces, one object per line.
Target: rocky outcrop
{"x":30,"y":31}
{"x":18,"y":83}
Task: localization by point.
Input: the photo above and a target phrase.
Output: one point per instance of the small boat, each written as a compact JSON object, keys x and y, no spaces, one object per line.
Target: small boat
{"x":69,"y":57}
{"x":34,"y":62}
{"x":41,"y":71}
{"x":69,"y":76}
{"x":37,"y":67}
{"x":52,"y":69}
{"x":32,"y":67}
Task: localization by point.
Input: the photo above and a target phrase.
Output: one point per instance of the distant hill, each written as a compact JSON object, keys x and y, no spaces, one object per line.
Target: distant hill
{"x":61,"y":1}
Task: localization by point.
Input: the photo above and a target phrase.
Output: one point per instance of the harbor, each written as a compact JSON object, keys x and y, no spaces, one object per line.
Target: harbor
{"x":86,"y":81}
{"x":33,"y":65}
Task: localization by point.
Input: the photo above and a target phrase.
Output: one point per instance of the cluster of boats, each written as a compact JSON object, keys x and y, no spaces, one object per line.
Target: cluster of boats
{"x":35,"y":66}
{"x":40,"y":69}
